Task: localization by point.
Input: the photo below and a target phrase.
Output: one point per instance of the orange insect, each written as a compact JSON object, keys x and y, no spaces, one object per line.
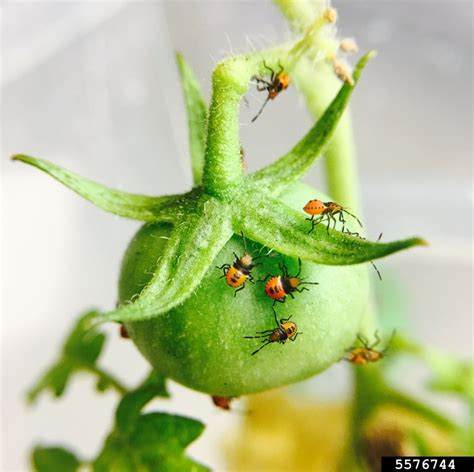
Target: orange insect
{"x":285,"y":329}
{"x":327,"y":210}
{"x":278,"y":82}
{"x":366,"y":353}
{"x":280,"y":286}
{"x":237,"y":274}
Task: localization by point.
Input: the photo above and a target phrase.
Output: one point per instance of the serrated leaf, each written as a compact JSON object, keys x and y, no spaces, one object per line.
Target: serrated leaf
{"x":292,"y":166}
{"x":288,"y":232}
{"x":149,"y":442}
{"x":80,"y":352}
{"x":128,"y":205}
{"x":196,"y":108}
{"x":54,"y":459}
{"x":191,"y":248}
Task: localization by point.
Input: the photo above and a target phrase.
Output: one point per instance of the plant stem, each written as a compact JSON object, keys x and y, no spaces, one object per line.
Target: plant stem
{"x":318,"y":84}
{"x":299,"y":13}
{"x":222,"y":166}
{"x":107,"y":378}
{"x":230,"y":81}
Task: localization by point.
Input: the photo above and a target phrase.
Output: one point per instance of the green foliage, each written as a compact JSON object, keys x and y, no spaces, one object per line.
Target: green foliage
{"x":54,"y":459}
{"x":148,"y":442}
{"x":79,"y":353}
{"x":452,"y":376}
{"x":196,"y":108}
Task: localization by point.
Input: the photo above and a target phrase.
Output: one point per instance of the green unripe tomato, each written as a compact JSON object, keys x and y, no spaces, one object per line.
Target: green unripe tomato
{"x":201,"y":343}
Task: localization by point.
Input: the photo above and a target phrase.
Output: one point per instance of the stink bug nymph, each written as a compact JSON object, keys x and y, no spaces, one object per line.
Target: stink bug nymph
{"x":285,"y":329}
{"x":366,"y":353}
{"x":280,"y":286}
{"x":278,"y":82}
{"x":326,"y":210}
{"x":237,"y":274}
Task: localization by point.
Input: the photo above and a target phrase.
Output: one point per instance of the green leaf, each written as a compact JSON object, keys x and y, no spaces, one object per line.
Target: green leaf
{"x":287,"y":230}
{"x":149,"y":442}
{"x":79,"y":353}
{"x":196,"y":108}
{"x":54,"y":459}
{"x":192,"y":247}
{"x":451,"y":376}
{"x":294,"y":165}
{"x":133,"y":402}
{"x":128,"y":205}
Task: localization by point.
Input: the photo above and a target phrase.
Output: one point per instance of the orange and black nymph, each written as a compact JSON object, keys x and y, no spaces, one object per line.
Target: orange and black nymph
{"x":327,"y":210}
{"x":278,"y":82}
{"x":366,"y":353}
{"x":285,"y":330}
{"x":237,"y":274}
{"x":280,"y":286}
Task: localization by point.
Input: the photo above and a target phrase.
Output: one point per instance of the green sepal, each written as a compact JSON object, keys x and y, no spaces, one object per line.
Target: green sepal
{"x":128,"y":205}
{"x":289,"y":234}
{"x":196,"y":108}
{"x":54,"y":459}
{"x":191,"y":248}
{"x":79,"y":353}
{"x":294,"y":165}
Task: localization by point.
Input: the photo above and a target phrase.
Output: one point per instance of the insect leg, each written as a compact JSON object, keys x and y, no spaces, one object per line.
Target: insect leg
{"x":363,"y":340}
{"x":265,"y":279}
{"x":260,"y":348}
{"x":261,"y":109}
{"x":299,"y":267}
{"x":377,"y":340}
{"x":302,"y":289}
{"x":275,"y":316}
{"x":376,"y":270}
{"x":238,"y":290}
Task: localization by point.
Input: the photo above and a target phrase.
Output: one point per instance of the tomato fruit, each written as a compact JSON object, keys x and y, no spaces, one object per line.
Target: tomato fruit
{"x":201,"y":344}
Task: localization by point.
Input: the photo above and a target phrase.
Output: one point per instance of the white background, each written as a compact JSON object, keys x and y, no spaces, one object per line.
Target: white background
{"x":93,"y":87}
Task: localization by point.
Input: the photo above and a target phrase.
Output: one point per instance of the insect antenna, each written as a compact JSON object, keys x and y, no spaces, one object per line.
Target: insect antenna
{"x":261,"y":109}
{"x":275,"y":316}
{"x":245,"y":242}
{"x":299,"y":267}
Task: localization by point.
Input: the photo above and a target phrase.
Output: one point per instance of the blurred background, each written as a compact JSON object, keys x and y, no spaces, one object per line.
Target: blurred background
{"x":93,"y":87}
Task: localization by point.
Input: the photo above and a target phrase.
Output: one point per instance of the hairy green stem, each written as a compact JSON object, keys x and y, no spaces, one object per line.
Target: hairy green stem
{"x":230,"y":81}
